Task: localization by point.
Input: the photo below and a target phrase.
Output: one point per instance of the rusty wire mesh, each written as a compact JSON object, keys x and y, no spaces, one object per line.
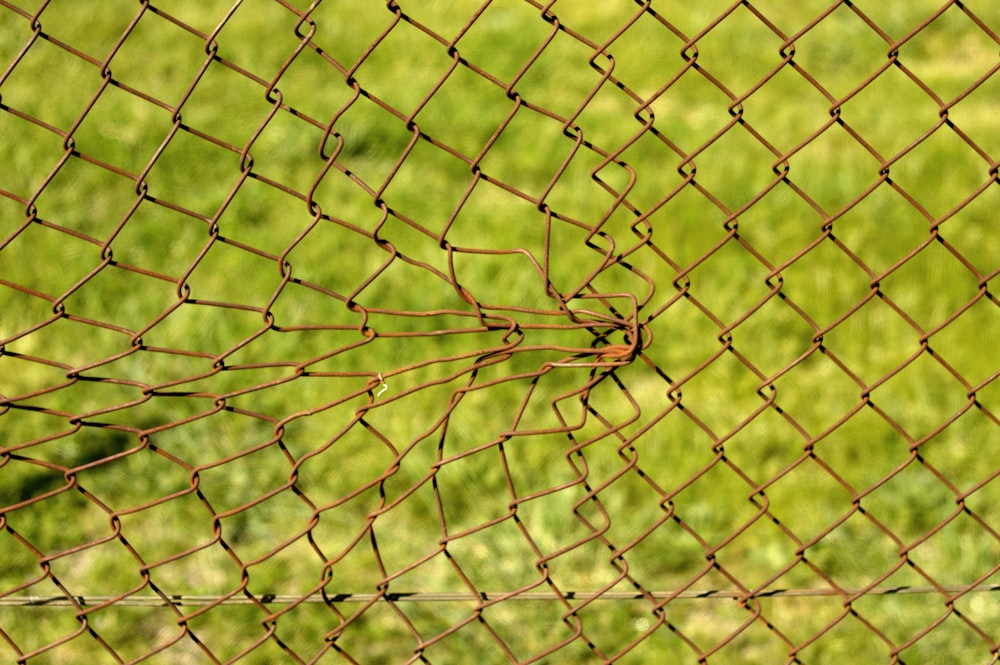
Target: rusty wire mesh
{"x":499,"y":331}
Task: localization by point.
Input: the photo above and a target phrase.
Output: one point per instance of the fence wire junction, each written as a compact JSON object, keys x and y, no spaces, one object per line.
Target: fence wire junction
{"x":499,"y":332}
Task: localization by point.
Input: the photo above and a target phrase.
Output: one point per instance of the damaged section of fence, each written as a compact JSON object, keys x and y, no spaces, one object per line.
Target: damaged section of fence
{"x":499,"y":332}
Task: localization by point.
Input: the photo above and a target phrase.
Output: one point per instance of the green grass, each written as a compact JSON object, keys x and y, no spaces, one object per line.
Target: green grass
{"x":259,"y":431}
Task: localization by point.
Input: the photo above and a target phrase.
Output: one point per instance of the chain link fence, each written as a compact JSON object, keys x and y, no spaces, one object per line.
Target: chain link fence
{"x":499,"y":331}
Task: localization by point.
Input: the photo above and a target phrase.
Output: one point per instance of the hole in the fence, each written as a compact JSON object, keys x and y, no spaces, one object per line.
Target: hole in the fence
{"x":26,"y":428}
{"x":477,"y":226}
{"x":415,"y":514}
{"x":732,"y":170}
{"x":318,"y":476}
{"x":623,"y":537}
{"x":229,"y":276}
{"x":469,"y":637}
{"x":444,"y":21}
{"x":160,"y":240}
{"x":646,"y":55}
{"x":332,"y":264}
{"x":537,"y":463}
{"x":312,"y":87}
{"x":73,"y":396}
{"x":218,"y":627}
{"x":203,"y":568}
{"x":649,"y":157}
{"x":296,"y":624}
{"x":511,"y":361}
{"x":90,"y":33}
{"x":264,"y":217}
{"x":666,"y":557}
{"x":966,"y":233}
{"x":28,"y":477}
{"x":265,"y":468}
{"x":80,"y":571}
{"x":687,"y":227}
{"x":343,"y":537}
{"x":435,"y":575}
{"x":872,"y":557}
{"x":504,"y":280}
{"x":415,"y":289}
{"x":707,"y":627}
{"x":140,"y":477}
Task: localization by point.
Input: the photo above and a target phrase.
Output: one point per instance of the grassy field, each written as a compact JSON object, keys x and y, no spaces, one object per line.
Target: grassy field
{"x":196,"y":308}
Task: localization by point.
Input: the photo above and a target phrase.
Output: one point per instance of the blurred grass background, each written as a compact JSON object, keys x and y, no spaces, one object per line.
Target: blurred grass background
{"x":121,"y":473}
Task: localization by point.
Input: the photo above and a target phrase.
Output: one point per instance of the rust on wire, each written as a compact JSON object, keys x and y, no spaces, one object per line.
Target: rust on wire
{"x":499,"y":332}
